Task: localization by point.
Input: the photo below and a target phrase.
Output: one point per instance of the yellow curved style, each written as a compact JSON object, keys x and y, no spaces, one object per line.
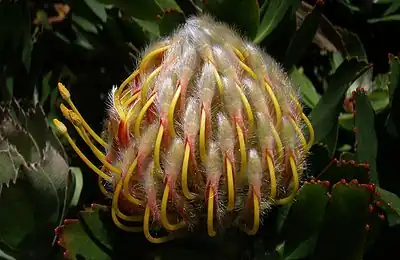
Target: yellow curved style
{"x":164,"y":217}
{"x":210,"y":213}
{"x":256,"y":216}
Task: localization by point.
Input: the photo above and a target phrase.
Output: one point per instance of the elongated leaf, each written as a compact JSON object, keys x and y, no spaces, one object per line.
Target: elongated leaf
{"x":84,"y":24}
{"x":144,"y":10}
{"x":304,"y":249}
{"x":98,"y":8}
{"x":170,"y":22}
{"x":325,"y":115}
{"x":385,"y":1}
{"x":78,"y":244}
{"x":331,"y":139}
{"x":309,"y":94}
{"x":367,"y":143}
{"x":303,"y":37}
{"x":346,"y":121}
{"x":44,"y":193}
{"x":343,"y":230}
{"x":389,"y":18}
{"x":379,"y":99}
{"x":22,"y":141}
{"x":169,"y":4}
{"x":46,"y":90}
{"x":353,"y":45}
{"x":394,"y":79}
{"x":38,"y":174}
{"x":364,"y":81}
{"x":9,"y":167}
{"x":56,"y":168}
{"x":391,"y":205}
{"x":92,"y":219}
{"x":231,"y":11}
{"x":275,"y":11}
{"x":17,"y":220}
{"x":5,"y":256}
{"x":37,"y":126}
{"x":26,"y":39}
{"x":392,"y":123}
{"x":150,"y":28}
{"x":76,"y":190}
{"x":308,"y":209}
{"x":319,"y":158}
{"x":392,"y":8}
{"x":347,"y":170}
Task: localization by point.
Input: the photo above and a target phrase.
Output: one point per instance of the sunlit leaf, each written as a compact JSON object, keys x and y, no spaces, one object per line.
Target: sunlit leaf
{"x":275,"y":11}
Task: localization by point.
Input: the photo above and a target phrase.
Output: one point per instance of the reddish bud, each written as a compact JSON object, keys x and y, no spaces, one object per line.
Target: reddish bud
{"x":371,"y":208}
{"x":367,"y":228}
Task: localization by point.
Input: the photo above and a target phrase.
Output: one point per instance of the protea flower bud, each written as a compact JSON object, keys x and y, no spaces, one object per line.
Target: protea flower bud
{"x":207,"y":128}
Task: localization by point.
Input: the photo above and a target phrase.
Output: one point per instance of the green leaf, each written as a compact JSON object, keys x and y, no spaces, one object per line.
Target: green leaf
{"x":37,"y":127}
{"x":98,"y":8}
{"x":309,"y":94}
{"x":151,"y":28}
{"x":392,"y":8}
{"x":384,"y":1}
{"x":44,"y":193}
{"x":303,"y":37}
{"x":367,"y":143}
{"x":9,"y":167}
{"x":144,"y":10}
{"x":303,"y":250}
{"x":343,"y":231}
{"x":78,"y":185}
{"x":346,"y":121}
{"x":379,"y":99}
{"x":325,"y":115}
{"x":10,"y":86}
{"x":347,"y":156}
{"x":391,"y":205}
{"x":16,"y":218}
{"x":307,"y":209}
{"x":364,"y":81}
{"x":78,"y":244}
{"x":231,"y":12}
{"x":347,"y":170}
{"x":81,"y":39}
{"x":394,"y":78}
{"x":5,"y":256}
{"x":331,"y":139}
{"x":169,"y":4}
{"x":56,"y":168}
{"x":319,"y":158}
{"x":353,"y":45}
{"x":84,"y":24}
{"x":170,"y":22}
{"x":39,"y":175}
{"x":22,"y":141}
{"x":389,"y":18}
{"x":27,"y":39}
{"x":275,"y":11}
{"x":392,"y":123}
{"x":92,"y":219}
{"x":46,"y":89}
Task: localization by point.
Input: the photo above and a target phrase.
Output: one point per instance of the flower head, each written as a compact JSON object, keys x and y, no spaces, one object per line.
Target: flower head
{"x":207,"y":127}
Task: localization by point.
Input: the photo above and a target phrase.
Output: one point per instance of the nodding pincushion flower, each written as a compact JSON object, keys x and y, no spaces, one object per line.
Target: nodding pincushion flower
{"x":208,"y":128}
